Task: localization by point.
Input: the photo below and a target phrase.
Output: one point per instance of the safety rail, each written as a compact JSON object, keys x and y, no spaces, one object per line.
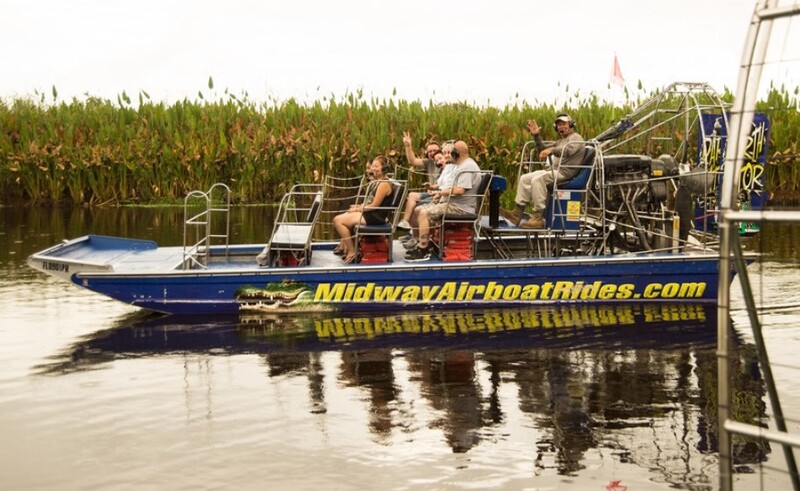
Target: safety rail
{"x":742,"y":124}
{"x":458,"y":245}
{"x":197,"y":254}
{"x":339,"y":193}
{"x":377,"y":232}
{"x":568,"y":212}
{"x":292,"y":232}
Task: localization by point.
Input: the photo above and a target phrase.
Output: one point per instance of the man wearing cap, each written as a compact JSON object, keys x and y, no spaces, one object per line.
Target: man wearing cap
{"x":532,"y":187}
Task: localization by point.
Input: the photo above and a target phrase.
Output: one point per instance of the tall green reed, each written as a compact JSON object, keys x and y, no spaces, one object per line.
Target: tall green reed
{"x":97,"y":151}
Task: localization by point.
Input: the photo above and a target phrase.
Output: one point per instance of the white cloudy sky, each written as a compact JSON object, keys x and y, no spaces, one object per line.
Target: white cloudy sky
{"x":466,"y":50}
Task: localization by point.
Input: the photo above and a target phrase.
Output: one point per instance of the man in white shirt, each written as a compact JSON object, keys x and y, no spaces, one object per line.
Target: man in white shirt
{"x":458,"y":200}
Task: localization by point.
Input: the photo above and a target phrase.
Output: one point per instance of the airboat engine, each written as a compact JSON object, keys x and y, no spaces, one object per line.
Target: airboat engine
{"x":640,"y":194}
{"x":648,"y":176}
{"x":637,"y":194}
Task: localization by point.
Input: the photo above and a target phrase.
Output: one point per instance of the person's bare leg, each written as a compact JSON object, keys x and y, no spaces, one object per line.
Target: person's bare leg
{"x":344,"y":225}
{"x":411,"y":203}
{"x":424,"y":228}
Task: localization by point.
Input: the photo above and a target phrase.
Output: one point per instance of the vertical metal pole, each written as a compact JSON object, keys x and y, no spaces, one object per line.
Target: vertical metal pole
{"x":676,"y":229}
{"x":723,"y":377}
{"x":763,"y":359}
{"x":737,"y":137}
{"x":741,"y":119}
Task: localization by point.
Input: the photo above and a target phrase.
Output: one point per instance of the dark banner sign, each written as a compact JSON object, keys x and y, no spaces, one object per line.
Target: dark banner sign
{"x":711,"y":147}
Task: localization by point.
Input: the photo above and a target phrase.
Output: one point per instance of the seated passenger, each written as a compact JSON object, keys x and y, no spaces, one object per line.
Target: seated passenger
{"x":431,"y":167}
{"x":532,"y":187}
{"x":415,"y":199}
{"x":428,"y":163}
{"x":452,"y":200}
{"x":445,"y":180}
{"x":379,"y":193}
{"x":339,"y":250}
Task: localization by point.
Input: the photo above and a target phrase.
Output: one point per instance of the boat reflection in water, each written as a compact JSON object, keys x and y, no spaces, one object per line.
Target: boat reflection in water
{"x":638,"y":381}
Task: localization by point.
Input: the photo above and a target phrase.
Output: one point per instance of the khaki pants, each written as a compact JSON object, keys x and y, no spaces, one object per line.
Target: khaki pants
{"x":532,"y":188}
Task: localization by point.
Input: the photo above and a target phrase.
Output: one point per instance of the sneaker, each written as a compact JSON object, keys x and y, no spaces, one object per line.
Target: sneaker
{"x":418,"y":254}
{"x":404,"y":225}
{"x":410,"y":244}
{"x":406,"y":238}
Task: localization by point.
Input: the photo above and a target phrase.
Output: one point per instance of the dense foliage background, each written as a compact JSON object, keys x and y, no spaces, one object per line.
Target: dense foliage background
{"x":101,"y":152}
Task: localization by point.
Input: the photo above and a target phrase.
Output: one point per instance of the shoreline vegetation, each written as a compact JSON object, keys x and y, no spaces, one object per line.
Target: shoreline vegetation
{"x":98,"y":152}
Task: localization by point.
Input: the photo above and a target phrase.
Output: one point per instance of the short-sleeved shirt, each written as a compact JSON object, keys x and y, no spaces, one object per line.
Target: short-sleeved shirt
{"x":467,"y":176}
{"x":448,"y":173}
{"x":431,"y":170}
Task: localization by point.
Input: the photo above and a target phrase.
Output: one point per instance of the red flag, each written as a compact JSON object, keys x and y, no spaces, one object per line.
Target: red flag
{"x":616,"y":74}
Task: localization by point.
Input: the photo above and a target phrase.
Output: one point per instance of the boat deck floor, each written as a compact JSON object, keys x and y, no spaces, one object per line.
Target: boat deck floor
{"x":322,"y":257}
{"x":240,"y":258}
{"x":157,"y":261}
{"x":154,"y":260}
{"x":171,"y":258}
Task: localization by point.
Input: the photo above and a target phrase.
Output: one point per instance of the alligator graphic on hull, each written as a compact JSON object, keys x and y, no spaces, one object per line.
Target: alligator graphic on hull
{"x":283,"y":295}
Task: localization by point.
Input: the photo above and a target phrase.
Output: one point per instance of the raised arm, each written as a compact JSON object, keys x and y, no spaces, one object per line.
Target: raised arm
{"x":412,"y":159}
{"x":533,"y":127}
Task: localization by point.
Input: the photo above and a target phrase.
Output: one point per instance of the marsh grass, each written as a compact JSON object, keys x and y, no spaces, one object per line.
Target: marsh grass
{"x":101,"y":152}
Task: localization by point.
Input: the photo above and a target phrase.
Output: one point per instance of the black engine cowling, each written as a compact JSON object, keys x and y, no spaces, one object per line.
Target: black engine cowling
{"x":636,"y":192}
{"x":647,"y":174}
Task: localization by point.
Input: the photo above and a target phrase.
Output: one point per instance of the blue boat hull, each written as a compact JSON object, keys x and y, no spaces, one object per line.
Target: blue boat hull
{"x":478,"y":284}
{"x":144,"y":275}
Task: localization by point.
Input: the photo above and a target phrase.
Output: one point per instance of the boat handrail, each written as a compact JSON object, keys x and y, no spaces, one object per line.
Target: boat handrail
{"x":197,"y":254}
{"x":338,"y":194}
{"x":732,"y":260}
{"x":529,"y":158}
{"x":295,"y":221}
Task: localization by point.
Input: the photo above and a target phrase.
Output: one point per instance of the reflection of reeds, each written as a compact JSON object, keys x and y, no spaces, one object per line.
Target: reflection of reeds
{"x":97,"y":151}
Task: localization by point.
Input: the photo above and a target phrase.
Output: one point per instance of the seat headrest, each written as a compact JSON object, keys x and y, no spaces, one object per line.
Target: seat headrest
{"x":588,"y":155}
{"x":314,"y":211}
{"x":397,"y":197}
{"x":486,"y":178}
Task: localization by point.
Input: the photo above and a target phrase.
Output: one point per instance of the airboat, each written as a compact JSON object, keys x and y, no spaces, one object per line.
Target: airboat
{"x":637,"y":223}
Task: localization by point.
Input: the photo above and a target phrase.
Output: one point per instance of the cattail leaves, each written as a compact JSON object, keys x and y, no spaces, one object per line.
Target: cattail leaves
{"x":96,"y":152}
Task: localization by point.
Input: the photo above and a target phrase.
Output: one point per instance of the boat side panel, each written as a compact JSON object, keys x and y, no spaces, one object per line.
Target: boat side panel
{"x":683,"y":279}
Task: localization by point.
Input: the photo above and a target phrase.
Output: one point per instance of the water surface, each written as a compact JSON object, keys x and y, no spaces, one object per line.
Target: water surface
{"x":95,"y":394}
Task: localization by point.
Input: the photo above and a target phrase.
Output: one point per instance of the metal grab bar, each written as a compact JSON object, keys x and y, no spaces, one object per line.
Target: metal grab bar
{"x":197,"y":254}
